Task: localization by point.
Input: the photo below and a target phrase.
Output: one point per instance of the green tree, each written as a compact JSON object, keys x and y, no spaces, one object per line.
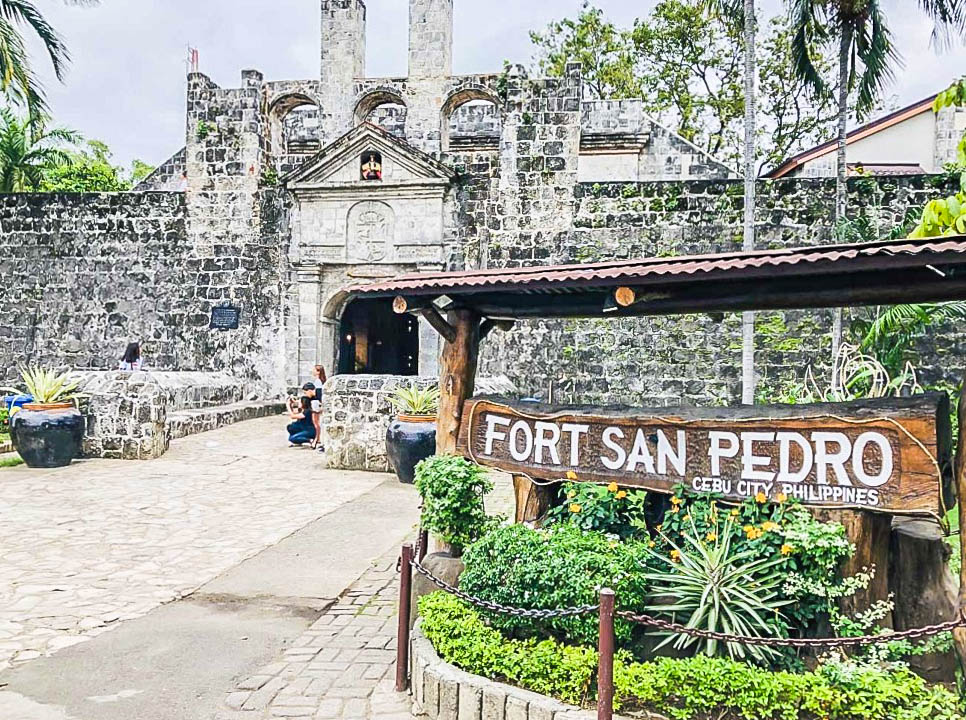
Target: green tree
{"x":28,"y":150}
{"x":17,"y":78}
{"x":140,"y":170}
{"x":88,"y":170}
{"x":687,"y":66}
{"x":597,"y":44}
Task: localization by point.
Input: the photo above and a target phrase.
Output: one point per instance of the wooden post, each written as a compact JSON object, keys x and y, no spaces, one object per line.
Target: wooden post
{"x":605,"y":656}
{"x":532,"y":500}
{"x":457,"y":376}
{"x":402,"y":628}
{"x":959,"y":634}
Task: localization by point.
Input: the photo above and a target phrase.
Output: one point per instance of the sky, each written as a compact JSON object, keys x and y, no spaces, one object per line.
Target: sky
{"x":126,"y":84}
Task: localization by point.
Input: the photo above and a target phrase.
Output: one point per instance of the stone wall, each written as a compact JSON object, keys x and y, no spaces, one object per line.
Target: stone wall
{"x":83,"y":274}
{"x":357,"y":410}
{"x":169,"y":176}
{"x":691,"y":359}
{"x":135,"y":415}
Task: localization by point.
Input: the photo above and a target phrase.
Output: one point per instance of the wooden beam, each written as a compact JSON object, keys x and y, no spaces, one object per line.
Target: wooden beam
{"x":400,"y":305}
{"x":457,"y":377}
{"x":625,"y":296}
{"x":489,"y":325}
{"x":439,"y":324}
{"x":959,"y":634}
{"x":532,"y":500}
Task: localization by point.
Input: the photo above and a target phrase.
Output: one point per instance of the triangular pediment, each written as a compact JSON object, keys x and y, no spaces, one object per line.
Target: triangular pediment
{"x":337,"y":165}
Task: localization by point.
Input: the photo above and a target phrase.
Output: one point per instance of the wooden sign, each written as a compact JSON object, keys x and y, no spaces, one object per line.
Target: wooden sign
{"x":225,"y":317}
{"x":890,"y":455}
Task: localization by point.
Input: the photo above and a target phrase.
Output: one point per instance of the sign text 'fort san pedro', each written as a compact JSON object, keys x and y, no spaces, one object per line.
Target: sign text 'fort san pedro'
{"x":890,"y":455}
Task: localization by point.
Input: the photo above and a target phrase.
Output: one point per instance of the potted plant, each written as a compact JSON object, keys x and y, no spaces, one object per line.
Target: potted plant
{"x":48,"y":431}
{"x":411,"y":436}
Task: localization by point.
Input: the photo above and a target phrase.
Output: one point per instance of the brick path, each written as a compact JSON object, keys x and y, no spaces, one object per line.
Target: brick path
{"x":344,"y":665}
{"x":341,"y":667}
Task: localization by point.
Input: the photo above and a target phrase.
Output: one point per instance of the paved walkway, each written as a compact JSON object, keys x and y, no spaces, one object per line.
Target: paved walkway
{"x":86,"y":547}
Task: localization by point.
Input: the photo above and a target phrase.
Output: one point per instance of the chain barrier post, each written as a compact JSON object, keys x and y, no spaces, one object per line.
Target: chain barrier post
{"x":605,"y":653}
{"x":402,"y":634}
{"x":423,"y":544}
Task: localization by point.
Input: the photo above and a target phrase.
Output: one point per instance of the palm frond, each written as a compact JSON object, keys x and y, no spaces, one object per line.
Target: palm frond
{"x":807,"y":32}
{"x":949,"y":19}
{"x":873,"y":47}
{"x":25,"y":12}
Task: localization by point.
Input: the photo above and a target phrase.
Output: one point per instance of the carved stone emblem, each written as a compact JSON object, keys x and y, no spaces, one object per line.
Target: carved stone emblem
{"x":370,"y":231}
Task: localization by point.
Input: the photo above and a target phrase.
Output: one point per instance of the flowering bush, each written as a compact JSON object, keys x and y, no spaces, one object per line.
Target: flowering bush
{"x":607,"y":509}
{"x":558,"y":567}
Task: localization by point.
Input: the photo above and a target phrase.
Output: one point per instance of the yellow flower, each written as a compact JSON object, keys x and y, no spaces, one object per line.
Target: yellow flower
{"x":572,"y":493}
{"x":675,"y":555}
{"x":734,"y":513}
{"x":768,"y":526}
{"x":622,"y":494}
{"x":658,"y":528}
{"x":651,"y":543}
{"x":675,"y":500}
{"x":761,"y":497}
{"x":574,"y":508}
{"x":571,"y":475}
{"x":787,"y":549}
{"x":612,"y":487}
{"x":710,"y":537}
{"x":687,"y":517}
{"x":751,"y":532}
{"x":781,"y":497}
{"x":675,"y":508}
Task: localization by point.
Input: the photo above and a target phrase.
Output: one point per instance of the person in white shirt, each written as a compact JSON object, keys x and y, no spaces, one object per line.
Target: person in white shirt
{"x":318,"y":379}
{"x":131,"y":360}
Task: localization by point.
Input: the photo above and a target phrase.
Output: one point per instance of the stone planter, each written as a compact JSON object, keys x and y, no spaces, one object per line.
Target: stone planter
{"x":47,"y":436}
{"x":410,"y":439}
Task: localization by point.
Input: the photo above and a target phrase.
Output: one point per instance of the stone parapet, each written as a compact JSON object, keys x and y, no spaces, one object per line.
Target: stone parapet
{"x":135,"y":415}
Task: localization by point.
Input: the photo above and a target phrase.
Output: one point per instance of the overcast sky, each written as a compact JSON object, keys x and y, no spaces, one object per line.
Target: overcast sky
{"x":126,"y":83}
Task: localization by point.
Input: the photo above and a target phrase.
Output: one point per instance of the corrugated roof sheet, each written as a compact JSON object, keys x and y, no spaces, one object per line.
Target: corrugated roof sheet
{"x":827,"y":258}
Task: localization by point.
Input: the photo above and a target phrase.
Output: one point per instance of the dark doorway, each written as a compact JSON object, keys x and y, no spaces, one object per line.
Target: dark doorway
{"x":375,"y":340}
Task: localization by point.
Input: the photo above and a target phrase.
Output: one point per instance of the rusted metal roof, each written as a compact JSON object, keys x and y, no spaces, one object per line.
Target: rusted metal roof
{"x":818,"y":276}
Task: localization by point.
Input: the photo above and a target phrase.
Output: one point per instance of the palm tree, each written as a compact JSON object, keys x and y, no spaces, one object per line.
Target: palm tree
{"x":866,"y":59}
{"x":17,"y":79}
{"x":28,"y":150}
{"x":743,"y":11}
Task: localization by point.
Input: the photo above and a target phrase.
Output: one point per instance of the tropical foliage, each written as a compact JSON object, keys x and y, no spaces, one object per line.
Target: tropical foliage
{"x":416,"y":401}
{"x":47,"y":386}
{"x":452,"y":490}
{"x":91,"y":170}
{"x":29,"y":150}
{"x":18,"y":80}
{"x":607,"y":509}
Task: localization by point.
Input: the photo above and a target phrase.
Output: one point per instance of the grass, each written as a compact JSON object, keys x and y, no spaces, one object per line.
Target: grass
{"x":11,"y":460}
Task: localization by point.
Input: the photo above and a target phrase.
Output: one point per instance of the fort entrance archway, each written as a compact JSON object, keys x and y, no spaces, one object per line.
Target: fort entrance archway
{"x":375,"y":340}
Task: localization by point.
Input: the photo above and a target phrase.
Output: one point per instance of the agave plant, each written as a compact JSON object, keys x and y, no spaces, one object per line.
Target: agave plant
{"x":47,"y":386}
{"x":416,"y":401}
{"x":707,"y":585}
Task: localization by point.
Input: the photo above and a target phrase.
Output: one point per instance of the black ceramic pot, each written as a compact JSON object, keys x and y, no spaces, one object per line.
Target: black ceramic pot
{"x":47,"y":436}
{"x":409,"y":439}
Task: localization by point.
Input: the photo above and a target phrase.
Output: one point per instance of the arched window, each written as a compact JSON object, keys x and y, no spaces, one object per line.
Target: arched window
{"x":471,"y":120}
{"x":370,"y":165}
{"x":385,"y":109}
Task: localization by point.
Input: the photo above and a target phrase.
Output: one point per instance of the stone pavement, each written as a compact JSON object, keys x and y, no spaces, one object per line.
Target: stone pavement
{"x":88,"y":546}
{"x":343,"y":666}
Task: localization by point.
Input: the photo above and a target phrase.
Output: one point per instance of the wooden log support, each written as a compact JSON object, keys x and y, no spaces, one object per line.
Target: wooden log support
{"x":959,"y":634}
{"x":439,"y":324}
{"x":625,"y":296}
{"x":402,"y":626}
{"x":489,"y":325}
{"x":457,"y":376}
{"x":532,"y":500}
{"x":605,"y":656}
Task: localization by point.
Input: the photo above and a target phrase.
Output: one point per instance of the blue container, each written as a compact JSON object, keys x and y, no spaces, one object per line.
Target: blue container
{"x":12,"y":401}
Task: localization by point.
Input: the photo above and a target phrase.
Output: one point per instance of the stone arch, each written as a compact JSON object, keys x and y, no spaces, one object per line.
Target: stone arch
{"x":488,"y":132}
{"x":294,"y":120}
{"x":384,"y":107}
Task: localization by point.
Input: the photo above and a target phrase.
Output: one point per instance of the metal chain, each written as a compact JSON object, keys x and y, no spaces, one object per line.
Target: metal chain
{"x":913,"y":633}
{"x":504,"y":609}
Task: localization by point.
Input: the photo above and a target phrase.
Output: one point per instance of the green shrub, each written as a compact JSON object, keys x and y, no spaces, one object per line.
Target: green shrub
{"x":698,"y":688}
{"x":548,"y":667}
{"x":553,"y":568}
{"x":452,"y":489}
{"x":605,"y":509}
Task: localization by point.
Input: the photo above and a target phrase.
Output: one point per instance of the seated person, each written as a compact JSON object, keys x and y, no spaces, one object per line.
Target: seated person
{"x":303,"y":429}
